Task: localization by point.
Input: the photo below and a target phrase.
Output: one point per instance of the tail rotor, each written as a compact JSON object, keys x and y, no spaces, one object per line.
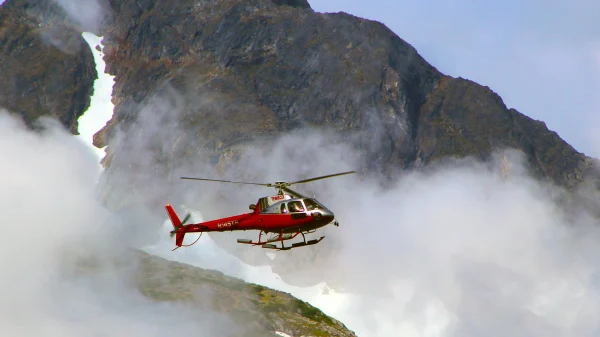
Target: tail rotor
{"x":177,"y":226}
{"x":183,"y":223}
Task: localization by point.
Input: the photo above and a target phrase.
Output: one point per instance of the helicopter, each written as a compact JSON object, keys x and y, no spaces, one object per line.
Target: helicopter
{"x":283,"y":217}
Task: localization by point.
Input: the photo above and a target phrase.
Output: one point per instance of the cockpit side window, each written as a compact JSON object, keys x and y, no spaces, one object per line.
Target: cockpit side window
{"x":276,"y":208}
{"x":295,"y":206}
{"x":311,"y":204}
{"x":283,"y":209}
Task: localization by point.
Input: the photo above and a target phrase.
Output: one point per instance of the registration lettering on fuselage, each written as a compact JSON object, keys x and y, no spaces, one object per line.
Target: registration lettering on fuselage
{"x":227,"y":224}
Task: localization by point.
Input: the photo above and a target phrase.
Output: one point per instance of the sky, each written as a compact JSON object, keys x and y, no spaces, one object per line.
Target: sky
{"x":541,"y":57}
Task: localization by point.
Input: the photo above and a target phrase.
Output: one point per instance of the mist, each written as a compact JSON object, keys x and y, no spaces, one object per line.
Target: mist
{"x":455,"y":249}
{"x":66,"y":269}
{"x":88,"y":14}
{"x":462,"y":251}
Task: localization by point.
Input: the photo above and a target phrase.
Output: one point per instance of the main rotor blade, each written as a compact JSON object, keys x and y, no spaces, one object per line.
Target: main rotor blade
{"x":227,"y":181}
{"x":321,"y":177}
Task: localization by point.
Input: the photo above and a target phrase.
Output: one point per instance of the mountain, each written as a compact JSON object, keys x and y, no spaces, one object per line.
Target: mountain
{"x":273,"y":67}
{"x":207,"y":78}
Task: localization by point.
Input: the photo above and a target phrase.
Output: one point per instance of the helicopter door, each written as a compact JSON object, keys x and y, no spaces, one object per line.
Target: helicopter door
{"x":297,"y":209}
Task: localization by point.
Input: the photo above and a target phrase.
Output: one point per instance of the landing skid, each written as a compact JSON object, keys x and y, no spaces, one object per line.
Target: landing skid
{"x":294,"y":245}
{"x":269,"y":245}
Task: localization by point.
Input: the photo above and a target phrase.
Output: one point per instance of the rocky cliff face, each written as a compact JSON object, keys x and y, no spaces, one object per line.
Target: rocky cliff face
{"x":251,"y":69}
{"x":47,"y":67}
{"x":464,"y":118}
{"x":272,"y":66}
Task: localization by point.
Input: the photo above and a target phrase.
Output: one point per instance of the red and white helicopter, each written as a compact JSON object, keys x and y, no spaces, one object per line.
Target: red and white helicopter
{"x":284,"y":216}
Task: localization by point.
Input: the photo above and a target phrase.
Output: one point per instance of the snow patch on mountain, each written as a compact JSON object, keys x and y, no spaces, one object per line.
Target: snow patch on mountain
{"x":101,"y":107}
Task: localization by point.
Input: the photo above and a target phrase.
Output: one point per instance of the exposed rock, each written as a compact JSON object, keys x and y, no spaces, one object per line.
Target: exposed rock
{"x":84,"y":16}
{"x":463,"y":118}
{"x":273,"y":66}
{"x":47,"y":68}
{"x":273,"y":69}
{"x":281,"y":69}
{"x":292,"y":3}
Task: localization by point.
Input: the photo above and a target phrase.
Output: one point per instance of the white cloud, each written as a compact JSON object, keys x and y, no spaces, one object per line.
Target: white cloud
{"x":455,"y":250}
{"x":51,"y":220}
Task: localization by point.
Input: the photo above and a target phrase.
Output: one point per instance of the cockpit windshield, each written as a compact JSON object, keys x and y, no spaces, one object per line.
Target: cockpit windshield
{"x":312,"y":204}
{"x":295,"y":206}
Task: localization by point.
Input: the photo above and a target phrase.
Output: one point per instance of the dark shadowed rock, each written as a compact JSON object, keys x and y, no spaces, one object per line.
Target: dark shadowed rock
{"x":292,"y":3}
{"x":273,"y":69}
{"x":47,"y":67}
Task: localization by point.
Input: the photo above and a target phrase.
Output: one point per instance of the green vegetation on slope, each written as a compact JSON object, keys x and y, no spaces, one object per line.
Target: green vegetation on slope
{"x":258,"y":309}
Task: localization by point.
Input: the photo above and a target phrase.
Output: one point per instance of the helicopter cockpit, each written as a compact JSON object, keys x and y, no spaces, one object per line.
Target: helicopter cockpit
{"x":294,"y":206}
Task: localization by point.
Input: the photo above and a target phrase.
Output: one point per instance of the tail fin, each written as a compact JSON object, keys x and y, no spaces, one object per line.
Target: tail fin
{"x":180,"y":230}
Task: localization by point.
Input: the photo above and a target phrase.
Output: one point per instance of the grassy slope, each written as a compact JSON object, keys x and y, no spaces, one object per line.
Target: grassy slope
{"x":259,"y":309}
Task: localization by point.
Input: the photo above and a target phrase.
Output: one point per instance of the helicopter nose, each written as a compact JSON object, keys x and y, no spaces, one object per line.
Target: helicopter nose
{"x":322,"y":216}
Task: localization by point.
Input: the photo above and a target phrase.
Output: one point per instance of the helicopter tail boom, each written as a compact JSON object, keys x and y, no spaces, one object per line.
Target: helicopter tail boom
{"x":181,"y":227}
